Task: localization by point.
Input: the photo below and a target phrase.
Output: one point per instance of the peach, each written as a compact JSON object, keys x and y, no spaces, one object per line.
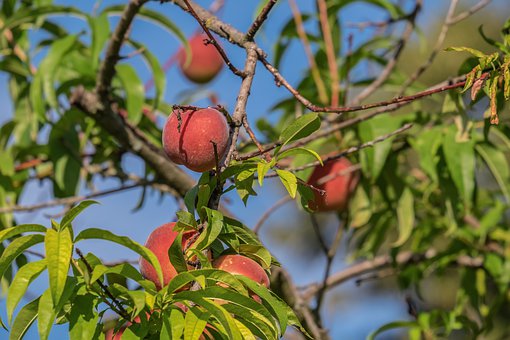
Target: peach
{"x":159,"y":241}
{"x":242,"y":265}
{"x":189,"y":141}
{"x":338,"y":187}
{"x":204,"y":63}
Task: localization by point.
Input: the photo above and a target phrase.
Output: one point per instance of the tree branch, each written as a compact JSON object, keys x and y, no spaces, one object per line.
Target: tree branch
{"x":107,"y":70}
{"x":382,"y":262}
{"x":255,"y":26}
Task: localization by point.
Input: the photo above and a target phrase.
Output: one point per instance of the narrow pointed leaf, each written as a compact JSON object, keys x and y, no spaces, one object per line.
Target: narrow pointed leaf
{"x":59,"y":250}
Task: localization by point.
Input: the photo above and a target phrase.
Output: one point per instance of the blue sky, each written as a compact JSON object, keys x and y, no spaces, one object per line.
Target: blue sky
{"x":357,"y":311}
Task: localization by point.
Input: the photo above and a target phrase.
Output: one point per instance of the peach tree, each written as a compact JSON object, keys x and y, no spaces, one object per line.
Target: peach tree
{"x":415,"y":172}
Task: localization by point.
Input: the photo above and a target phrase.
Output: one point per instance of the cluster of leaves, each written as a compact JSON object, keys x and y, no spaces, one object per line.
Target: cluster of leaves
{"x":221,"y":301}
{"x":445,"y":185}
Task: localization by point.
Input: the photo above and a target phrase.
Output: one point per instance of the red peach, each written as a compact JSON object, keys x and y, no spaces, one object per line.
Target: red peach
{"x":204,"y":63}
{"x":338,"y":187}
{"x":159,"y":241}
{"x":189,"y":143}
{"x":242,"y":265}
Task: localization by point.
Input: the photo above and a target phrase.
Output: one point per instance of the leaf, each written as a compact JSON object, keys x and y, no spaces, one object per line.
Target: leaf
{"x":300,"y":128}
{"x":83,"y":320}
{"x":498,"y":165}
{"x":173,"y":324}
{"x":30,"y":14}
{"x":75,"y":211}
{"x":391,"y":325}
{"x":94,"y":233}
{"x":124,"y":269}
{"x":426,"y":144}
{"x":100,"y":28}
{"x":157,"y":72}
{"x":20,"y":229}
{"x":24,"y":320}
{"x":360,"y":208}
{"x":405,"y":216}
{"x":460,"y":160}
{"x":16,"y":248}
{"x":194,"y":323}
{"x":46,"y":314}
{"x":289,"y":180}
{"x":59,"y":250}
{"x":45,"y":76}
{"x":155,"y":17}
{"x":476,"y":53}
{"x":374,"y":158}
{"x":20,"y":283}
{"x":299,"y":151}
{"x":135,"y":93}
{"x":211,"y":232}
{"x":176,"y":256}
{"x":262,"y":169}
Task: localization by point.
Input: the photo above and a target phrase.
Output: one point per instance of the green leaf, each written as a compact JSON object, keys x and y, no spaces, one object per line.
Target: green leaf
{"x":124,"y":269}
{"x":176,"y":256}
{"x":405,"y":216}
{"x":212,"y":277}
{"x":300,"y":128}
{"x":426,"y":145}
{"x":194,"y":323}
{"x":20,"y":229}
{"x":59,"y":250}
{"x":158,"y":74}
{"x":374,"y":158}
{"x":16,"y":248}
{"x":476,"y":53}
{"x":46,"y":314}
{"x":24,"y":320}
{"x":262,"y":169}
{"x":212,"y":230}
{"x":30,"y":14}
{"x":94,"y":233}
{"x":83,"y":319}
{"x":186,"y":220}
{"x":20,"y":283}
{"x":275,"y":305}
{"x":135,"y":93}
{"x":299,"y":151}
{"x":45,"y":76}
{"x":498,"y":165}
{"x":155,"y":17}
{"x":289,"y":180}
{"x":391,"y":325}
{"x":460,"y":160}
{"x":100,"y":28}
{"x":75,"y":211}
{"x":173,"y":324}
{"x":224,"y":318}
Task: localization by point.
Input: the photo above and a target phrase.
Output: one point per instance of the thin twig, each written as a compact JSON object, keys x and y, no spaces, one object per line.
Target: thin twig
{"x":300,"y":29}
{"x":329,"y":252}
{"x":348,"y":151}
{"x":382,"y":262}
{"x":107,"y":69}
{"x":115,"y":305}
{"x":330,"y":51}
{"x":213,"y":41}
{"x":66,"y":200}
{"x":390,"y":65}
{"x":254,"y":138}
{"x":469,"y":12}
{"x":255,"y":26}
{"x":271,"y":210}
{"x":439,"y":42}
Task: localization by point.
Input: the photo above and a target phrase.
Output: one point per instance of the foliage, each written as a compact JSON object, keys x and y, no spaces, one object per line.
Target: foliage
{"x":440,"y":190}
